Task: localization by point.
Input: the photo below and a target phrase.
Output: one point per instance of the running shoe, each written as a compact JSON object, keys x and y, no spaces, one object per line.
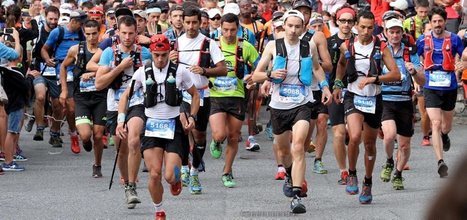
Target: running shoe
{"x":304,"y":189}
{"x":442,"y":169}
{"x":287,"y":188}
{"x":29,"y":124}
{"x":19,"y":158}
{"x":426,"y":141}
{"x":104,"y":141}
{"x":75,"y":144}
{"x":2,"y":156}
{"x":398,"y":183}
{"x":319,"y":167}
{"x":55,"y":142}
{"x":446,"y":142}
{"x":39,"y":136}
{"x":269,"y":133}
{"x":111,"y":141}
{"x":87,"y":146}
{"x":195,"y":185}
{"x":227,"y":180}
{"x":160,"y":215}
{"x":216,"y":149}
{"x":385,"y":175}
{"x":13,"y":167}
{"x":185,"y":176}
{"x":251,"y":144}
{"x":280,"y":175}
{"x":131,"y":195}
{"x":296,"y":205}
{"x":343,"y":179}
{"x":96,"y":171}
{"x":366,"y":197}
{"x":352,"y":185}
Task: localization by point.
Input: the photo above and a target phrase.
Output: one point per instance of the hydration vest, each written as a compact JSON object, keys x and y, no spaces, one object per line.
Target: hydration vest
{"x":375,"y":59}
{"x":239,"y":68}
{"x":305,"y":70}
{"x":172,"y":96}
{"x":83,"y":58}
{"x":448,"y":59}
{"x":204,"y":60}
{"x":137,"y":63}
{"x":406,"y":53}
{"x":308,"y":35}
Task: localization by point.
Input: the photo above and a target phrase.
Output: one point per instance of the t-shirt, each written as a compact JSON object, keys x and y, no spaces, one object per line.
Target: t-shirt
{"x":402,"y":85}
{"x":107,"y":59}
{"x":230,"y":85}
{"x":456,"y":48}
{"x":291,"y":93}
{"x":188,"y":53}
{"x":12,"y":80}
{"x":254,"y":28}
{"x":162,"y":110}
{"x":69,"y":39}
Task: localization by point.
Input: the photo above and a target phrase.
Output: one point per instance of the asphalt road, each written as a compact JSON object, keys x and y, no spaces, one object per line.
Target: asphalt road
{"x":60,"y":186}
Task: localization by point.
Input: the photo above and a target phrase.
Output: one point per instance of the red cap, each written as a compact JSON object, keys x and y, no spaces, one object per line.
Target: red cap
{"x":159,"y":42}
{"x":96,"y":11}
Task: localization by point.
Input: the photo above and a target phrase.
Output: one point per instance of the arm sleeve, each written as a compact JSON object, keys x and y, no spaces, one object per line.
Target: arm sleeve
{"x":7,"y":52}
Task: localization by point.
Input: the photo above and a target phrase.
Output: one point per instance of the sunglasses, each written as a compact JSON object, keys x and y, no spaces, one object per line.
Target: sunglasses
{"x":216,"y":18}
{"x":345,"y":21}
{"x":95,"y":12}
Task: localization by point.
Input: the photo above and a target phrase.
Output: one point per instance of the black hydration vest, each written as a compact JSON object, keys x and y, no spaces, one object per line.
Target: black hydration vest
{"x":137,"y":62}
{"x":84,"y":56}
{"x":375,"y":60}
{"x":172,"y":95}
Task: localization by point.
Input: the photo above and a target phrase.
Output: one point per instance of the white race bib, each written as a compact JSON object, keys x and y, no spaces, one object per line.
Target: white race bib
{"x":69,"y":76}
{"x":187,"y":97}
{"x":88,"y":85}
{"x":225,"y":83}
{"x":290,"y":93}
{"x":49,"y":71}
{"x":160,"y":128}
{"x":439,"y":79}
{"x":366,"y":104}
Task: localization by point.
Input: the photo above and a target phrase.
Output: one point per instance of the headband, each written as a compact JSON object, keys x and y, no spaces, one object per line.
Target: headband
{"x":345,"y":10}
{"x":153,"y":10}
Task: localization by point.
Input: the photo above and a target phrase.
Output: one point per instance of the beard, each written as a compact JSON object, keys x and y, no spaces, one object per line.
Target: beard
{"x":51,"y":26}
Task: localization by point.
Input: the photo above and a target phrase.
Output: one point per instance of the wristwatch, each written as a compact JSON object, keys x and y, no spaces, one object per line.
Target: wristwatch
{"x":192,"y":116}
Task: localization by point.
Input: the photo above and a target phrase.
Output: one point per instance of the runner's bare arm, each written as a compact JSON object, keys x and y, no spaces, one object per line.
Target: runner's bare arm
{"x":319,"y":74}
{"x":92,"y":65}
{"x":322,"y":47}
{"x":194,"y":107}
{"x":121,"y":131}
{"x":105,"y":75}
{"x":69,"y":60}
{"x":260,"y":74}
{"x":220,"y":69}
{"x":394,"y":74}
{"x":340,"y":71}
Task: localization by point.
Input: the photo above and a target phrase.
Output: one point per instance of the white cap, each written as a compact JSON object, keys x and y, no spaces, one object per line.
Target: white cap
{"x":278,"y":23}
{"x":400,"y":4}
{"x":213,"y":12}
{"x":293,"y":13}
{"x":64,"y":20}
{"x":232,"y":8}
{"x":393,"y":23}
{"x":8,"y":3}
{"x":140,"y":13}
{"x":65,"y":11}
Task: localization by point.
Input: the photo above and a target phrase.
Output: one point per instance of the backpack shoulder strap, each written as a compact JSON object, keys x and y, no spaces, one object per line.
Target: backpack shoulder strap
{"x":280,"y":47}
{"x":61,"y":35}
{"x":304,"y":48}
{"x":172,"y":70}
{"x":149,"y":72}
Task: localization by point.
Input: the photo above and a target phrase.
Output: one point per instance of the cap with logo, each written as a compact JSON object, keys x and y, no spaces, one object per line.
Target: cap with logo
{"x":159,"y":43}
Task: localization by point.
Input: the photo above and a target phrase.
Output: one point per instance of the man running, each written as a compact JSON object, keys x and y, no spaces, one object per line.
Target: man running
{"x":228,"y":93}
{"x":116,"y":67}
{"x":196,"y":52}
{"x":165,"y":140}
{"x":90,"y":104}
{"x":361,"y":58}
{"x":398,"y":112}
{"x":291,"y":99}
{"x":438,"y":50}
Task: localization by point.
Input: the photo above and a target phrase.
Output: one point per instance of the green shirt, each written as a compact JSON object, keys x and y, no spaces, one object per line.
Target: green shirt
{"x":409,"y":25}
{"x":230,"y":85}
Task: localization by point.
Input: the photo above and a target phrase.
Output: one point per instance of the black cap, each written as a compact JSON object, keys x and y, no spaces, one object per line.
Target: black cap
{"x":123,"y":11}
{"x":302,"y":3}
{"x":163,"y":5}
{"x":277,"y":14}
{"x":79,"y":15}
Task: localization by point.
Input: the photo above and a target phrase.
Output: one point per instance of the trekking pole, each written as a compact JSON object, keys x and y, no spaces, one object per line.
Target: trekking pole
{"x":120,"y":142}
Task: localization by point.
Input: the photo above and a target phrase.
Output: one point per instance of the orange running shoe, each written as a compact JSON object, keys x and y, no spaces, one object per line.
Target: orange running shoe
{"x":75,"y":145}
{"x":160,"y":215}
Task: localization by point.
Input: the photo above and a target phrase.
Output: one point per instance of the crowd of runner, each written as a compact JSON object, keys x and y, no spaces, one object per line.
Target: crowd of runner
{"x":149,"y":77}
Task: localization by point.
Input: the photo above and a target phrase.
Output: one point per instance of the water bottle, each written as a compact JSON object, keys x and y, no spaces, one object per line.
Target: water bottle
{"x":172,"y":94}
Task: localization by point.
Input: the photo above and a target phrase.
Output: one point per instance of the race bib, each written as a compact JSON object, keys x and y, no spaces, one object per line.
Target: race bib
{"x":160,"y":128}
{"x":49,"y":71}
{"x":290,"y":93}
{"x":87,"y":85}
{"x":366,"y":104}
{"x":225,"y":83}
{"x":187,"y":97}
{"x":439,"y":79}
{"x":69,"y":76}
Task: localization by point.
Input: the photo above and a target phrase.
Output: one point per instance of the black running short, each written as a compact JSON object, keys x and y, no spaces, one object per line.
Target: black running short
{"x":318,"y":107}
{"x":134,"y":111}
{"x":179,"y":144}
{"x":234,"y":106}
{"x":373,"y":120}
{"x":444,"y":99}
{"x":336,"y":113}
{"x":402,"y":114}
{"x":202,"y":118}
{"x":90,"y":109}
{"x":284,"y":120}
